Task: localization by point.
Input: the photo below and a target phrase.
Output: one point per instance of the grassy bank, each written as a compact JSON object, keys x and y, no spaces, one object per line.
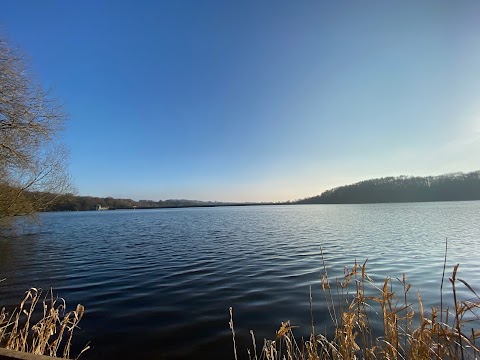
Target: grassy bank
{"x":407,"y":331}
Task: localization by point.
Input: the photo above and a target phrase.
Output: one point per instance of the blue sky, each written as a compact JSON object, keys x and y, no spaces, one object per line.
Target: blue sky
{"x":256,"y":100}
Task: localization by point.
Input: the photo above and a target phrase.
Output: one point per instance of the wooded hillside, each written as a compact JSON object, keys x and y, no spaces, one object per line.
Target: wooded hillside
{"x":448,"y":187}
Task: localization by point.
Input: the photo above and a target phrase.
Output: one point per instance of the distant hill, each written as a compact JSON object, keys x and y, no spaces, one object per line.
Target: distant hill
{"x":448,"y":187}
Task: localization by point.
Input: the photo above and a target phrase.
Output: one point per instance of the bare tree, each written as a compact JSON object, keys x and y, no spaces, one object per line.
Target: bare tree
{"x":33,"y":161}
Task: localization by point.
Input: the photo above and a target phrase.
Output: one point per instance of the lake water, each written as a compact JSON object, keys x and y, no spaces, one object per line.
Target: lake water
{"x":159,"y":283}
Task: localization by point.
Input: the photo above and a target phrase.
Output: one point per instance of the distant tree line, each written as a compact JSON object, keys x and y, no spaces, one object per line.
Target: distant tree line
{"x":71,"y":202}
{"x":448,"y":187}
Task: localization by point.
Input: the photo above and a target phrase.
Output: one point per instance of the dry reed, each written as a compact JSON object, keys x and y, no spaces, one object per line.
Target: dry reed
{"x":406,"y":334}
{"x":47,"y":333}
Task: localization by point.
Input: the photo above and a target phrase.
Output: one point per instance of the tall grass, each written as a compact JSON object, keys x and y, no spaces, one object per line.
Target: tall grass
{"x":407,"y":331}
{"x":48,"y":332}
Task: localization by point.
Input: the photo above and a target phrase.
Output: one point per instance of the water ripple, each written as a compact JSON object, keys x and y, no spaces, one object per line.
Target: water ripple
{"x":158,"y":283}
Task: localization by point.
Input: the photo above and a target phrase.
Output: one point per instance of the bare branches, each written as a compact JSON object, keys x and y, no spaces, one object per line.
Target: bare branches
{"x":32,"y":159}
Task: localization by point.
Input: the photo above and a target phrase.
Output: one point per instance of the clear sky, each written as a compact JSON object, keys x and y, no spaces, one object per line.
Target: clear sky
{"x":256,"y":100}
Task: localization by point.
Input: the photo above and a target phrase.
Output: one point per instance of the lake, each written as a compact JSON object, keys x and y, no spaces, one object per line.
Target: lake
{"x":159,"y":283}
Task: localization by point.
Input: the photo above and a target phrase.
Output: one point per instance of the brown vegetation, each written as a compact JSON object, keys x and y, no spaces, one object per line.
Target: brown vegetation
{"x":444,"y":333}
{"x":48,"y":333}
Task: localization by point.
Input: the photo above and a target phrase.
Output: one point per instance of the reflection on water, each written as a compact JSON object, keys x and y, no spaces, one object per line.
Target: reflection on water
{"x":159,"y":282}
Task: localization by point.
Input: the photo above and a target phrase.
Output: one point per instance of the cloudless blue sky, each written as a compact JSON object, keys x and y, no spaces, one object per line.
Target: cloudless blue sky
{"x":255,"y":100}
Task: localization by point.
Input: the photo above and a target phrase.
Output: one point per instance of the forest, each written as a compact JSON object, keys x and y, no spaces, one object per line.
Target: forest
{"x":448,"y":187}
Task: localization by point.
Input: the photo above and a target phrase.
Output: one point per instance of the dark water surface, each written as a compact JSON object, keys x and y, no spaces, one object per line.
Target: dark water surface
{"x":159,"y":283}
